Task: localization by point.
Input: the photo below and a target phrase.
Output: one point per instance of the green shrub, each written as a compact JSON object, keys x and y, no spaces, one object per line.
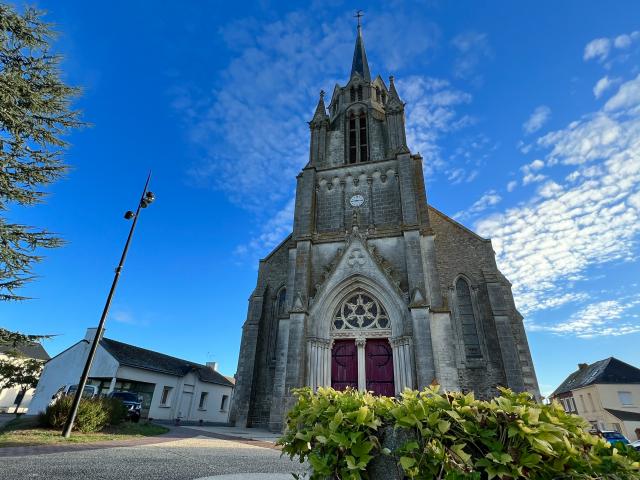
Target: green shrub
{"x":93,"y":414}
{"x":448,"y":436}
{"x":117,"y":410}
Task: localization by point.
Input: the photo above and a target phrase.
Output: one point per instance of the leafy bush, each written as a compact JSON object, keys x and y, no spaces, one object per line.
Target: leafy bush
{"x":93,"y":414}
{"x":117,"y":410}
{"x":448,"y":436}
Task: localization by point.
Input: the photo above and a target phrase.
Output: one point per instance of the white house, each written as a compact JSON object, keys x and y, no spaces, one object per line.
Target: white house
{"x":170,"y":388}
{"x":606,"y":394}
{"x":10,"y":398}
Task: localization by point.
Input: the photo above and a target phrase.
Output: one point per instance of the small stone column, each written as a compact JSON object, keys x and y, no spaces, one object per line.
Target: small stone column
{"x":402,"y":363}
{"x":362,"y":374}
{"x":112,"y":385}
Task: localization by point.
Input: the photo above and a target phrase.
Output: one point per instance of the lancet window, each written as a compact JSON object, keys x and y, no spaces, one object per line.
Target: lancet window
{"x":467,"y":320}
{"x":358,"y":147}
{"x":281,"y":302}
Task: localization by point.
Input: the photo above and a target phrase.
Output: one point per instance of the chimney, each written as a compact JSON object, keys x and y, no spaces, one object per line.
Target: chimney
{"x":91,"y":333}
{"x":582,"y":366}
{"x":213,"y":366}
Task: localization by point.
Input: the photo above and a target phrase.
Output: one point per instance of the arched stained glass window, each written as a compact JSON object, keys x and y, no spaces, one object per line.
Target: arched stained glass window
{"x":467,"y":320}
{"x":360,"y":311}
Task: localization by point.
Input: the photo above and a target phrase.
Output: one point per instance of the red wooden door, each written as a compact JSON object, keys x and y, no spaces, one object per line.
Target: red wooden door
{"x":379,"y":367}
{"x":344,"y":365}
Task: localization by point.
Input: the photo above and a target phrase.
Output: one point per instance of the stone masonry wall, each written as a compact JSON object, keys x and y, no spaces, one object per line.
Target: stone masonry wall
{"x":274,"y":277}
{"x":459,"y":251}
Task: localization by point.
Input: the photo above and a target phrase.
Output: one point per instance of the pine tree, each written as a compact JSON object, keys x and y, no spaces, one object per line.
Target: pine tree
{"x":35,"y":114}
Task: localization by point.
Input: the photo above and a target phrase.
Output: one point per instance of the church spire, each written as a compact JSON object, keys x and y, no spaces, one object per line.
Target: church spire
{"x":360,"y":64}
{"x":321,"y":111}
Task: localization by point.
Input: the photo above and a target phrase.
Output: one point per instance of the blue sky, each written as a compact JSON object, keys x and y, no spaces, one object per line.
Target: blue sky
{"x":527,"y":116}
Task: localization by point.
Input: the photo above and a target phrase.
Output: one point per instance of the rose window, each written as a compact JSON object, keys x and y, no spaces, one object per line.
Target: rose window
{"x":360,"y":311}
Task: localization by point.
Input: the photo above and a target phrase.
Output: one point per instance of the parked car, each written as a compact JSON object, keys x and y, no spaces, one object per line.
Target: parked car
{"x":131,"y":401}
{"x":636,"y":445}
{"x":614,"y":437}
{"x":89,"y":391}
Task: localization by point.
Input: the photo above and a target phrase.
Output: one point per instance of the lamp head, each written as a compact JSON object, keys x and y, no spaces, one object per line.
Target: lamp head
{"x":129,"y":215}
{"x":150,"y":197}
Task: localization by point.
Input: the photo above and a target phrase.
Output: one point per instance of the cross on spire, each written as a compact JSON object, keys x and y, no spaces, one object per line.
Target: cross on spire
{"x":358,"y":15}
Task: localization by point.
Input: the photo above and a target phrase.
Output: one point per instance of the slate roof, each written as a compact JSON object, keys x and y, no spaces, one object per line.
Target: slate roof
{"x":610,"y":370}
{"x":29,"y":350}
{"x":360,"y":64}
{"x":136,"y":357}
{"x":625,"y":416}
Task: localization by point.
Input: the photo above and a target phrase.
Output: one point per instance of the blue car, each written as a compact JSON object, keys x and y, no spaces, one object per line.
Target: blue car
{"x":614,"y":437}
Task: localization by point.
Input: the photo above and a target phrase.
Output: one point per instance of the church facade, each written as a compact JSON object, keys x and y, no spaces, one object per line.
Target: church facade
{"x":374,"y":289}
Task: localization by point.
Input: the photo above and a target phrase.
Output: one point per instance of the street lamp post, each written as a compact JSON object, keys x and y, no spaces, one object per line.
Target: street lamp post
{"x":145,"y":200}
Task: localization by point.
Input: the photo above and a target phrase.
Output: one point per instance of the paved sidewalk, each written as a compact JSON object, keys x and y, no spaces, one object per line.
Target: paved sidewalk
{"x":256,"y":434}
{"x":200,"y":456}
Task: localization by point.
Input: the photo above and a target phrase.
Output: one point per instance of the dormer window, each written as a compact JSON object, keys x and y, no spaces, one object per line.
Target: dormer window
{"x":378,"y":97}
{"x":358,"y":147}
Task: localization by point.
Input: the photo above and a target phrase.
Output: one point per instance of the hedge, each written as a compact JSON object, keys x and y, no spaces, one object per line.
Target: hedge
{"x":434,"y":435}
{"x":93,"y":413}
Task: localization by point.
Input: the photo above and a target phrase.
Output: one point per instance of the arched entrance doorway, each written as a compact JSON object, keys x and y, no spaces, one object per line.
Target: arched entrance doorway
{"x":361,"y":355}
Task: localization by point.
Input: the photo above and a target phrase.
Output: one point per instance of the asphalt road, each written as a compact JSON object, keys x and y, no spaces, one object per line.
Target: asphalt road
{"x":191,"y":458}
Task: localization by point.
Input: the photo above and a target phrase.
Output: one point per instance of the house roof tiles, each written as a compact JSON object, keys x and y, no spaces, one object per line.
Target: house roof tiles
{"x":136,"y":357}
{"x":610,"y":370}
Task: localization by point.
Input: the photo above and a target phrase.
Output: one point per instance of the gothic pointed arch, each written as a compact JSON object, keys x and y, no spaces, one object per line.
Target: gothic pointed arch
{"x":467,"y":319}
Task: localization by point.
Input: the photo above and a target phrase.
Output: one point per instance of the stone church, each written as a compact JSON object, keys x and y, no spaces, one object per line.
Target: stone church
{"x":374,"y":289}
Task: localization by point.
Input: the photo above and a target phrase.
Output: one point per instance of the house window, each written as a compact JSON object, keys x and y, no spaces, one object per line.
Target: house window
{"x":203,"y":400}
{"x":591,"y":404}
{"x":616,"y":427}
{"x":166,"y":392}
{"x":223,"y":403}
{"x":467,"y":320}
{"x":625,"y":399}
{"x":573,"y":405}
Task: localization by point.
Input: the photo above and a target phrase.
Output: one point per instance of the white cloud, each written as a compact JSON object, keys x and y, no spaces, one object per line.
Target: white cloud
{"x":598,"y":48}
{"x":589,"y":218}
{"x":511,"y":186}
{"x":431,"y":112}
{"x":529,"y":171}
{"x":488,"y":199}
{"x":538,"y":118}
{"x":603,"y":85}
{"x":627,"y":96}
{"x":604,"y":318}
{"x":472,"y":48}
{"x":272,"y":232}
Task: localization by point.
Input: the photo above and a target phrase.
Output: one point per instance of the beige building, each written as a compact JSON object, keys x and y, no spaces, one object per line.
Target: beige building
{"x":606,"y":394}
{"x":10,"y":398}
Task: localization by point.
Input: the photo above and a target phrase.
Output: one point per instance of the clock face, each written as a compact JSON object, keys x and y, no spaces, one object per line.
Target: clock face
{"x":356,"y":200}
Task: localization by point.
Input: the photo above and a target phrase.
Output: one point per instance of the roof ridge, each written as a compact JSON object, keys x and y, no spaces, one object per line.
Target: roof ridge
{"x":154,"y":351}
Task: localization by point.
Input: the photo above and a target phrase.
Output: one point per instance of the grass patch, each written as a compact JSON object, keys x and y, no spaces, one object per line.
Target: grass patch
{"x":24,"y":431}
